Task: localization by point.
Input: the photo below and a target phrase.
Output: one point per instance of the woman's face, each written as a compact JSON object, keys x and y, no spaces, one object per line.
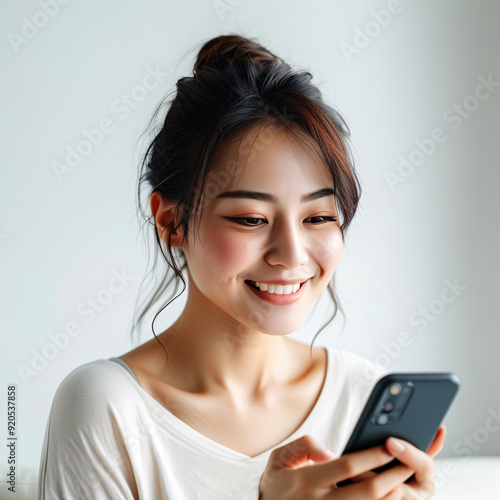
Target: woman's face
{"x":292,"y":237}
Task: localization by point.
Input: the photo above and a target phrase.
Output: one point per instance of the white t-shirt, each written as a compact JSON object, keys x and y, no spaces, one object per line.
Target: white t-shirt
{"x":107,"y":438}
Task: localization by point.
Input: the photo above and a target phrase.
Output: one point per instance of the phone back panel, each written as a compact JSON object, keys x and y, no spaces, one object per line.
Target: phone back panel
{"x":418,"y":423}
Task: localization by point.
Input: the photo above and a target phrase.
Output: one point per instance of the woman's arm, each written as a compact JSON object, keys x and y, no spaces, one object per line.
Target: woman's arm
{"x":84,"y":454}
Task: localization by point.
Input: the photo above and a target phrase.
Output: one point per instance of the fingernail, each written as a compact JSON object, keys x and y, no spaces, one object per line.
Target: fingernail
{"x":395,"y":446}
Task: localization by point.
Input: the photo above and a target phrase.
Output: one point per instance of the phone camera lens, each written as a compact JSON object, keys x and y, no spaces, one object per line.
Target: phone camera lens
{"x":395,"y":389}
{"x":382,"y":419}
{"x":387,"y":407}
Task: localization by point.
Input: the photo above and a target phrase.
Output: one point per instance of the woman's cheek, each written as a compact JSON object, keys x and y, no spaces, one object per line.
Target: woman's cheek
{"x":227,"y":250}
{"x":329,"y":250}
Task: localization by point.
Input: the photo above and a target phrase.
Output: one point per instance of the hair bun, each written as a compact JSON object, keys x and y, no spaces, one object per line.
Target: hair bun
{"x":222,"y":51}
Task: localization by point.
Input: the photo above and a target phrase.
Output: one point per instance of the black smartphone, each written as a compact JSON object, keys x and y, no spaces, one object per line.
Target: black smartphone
{"x":410,"y":406}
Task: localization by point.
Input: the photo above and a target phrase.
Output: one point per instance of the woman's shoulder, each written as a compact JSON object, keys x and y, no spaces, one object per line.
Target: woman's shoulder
{"x":354,"y":370}
{"x":100,"y":374}
{"x":93,"y":388}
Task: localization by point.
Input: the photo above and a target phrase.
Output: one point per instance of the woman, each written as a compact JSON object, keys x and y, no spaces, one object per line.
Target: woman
{"x":245,"y":178}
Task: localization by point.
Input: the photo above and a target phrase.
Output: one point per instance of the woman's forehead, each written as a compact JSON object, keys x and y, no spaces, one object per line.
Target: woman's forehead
{"x":268,"y":151}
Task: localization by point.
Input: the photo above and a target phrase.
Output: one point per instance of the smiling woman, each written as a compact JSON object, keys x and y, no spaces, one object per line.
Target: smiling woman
{"x":267,"y":229}
{"x":251,"y":189}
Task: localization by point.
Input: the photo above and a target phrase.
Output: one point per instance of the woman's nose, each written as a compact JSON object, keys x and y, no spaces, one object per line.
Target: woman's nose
{"x":287,"y":246}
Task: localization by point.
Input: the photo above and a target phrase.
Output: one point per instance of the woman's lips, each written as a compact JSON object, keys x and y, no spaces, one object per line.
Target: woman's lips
{"x":280,"y":300}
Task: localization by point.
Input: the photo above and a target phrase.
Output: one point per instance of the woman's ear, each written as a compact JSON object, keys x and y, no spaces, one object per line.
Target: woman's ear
{"x":163,"y":214}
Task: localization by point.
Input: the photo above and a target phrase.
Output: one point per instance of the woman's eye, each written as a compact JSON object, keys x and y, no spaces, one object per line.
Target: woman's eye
{"x":240,"y":219}
{"x":326,"y":218}
{"x":244,"y":221}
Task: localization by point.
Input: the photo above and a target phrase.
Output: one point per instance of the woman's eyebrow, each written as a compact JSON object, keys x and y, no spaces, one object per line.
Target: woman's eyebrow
{"x":256,"y":195}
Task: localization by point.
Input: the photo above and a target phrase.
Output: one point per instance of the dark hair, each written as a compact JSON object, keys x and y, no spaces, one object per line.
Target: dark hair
{"x":237,"y":84}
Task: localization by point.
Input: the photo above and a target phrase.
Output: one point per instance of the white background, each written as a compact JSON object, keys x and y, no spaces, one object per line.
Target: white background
{"x":62,"y":238}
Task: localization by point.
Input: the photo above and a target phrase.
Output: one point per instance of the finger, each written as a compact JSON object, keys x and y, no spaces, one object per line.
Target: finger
{"x":396,"y":494}
{"x":396,"y":475}
{"x":385,"y":485}
{"x":346,"y":467}
{"x":437,"y":445}
{"x":417,"y":460}
{"x":298,"y":453}
{"x":364,"y":476}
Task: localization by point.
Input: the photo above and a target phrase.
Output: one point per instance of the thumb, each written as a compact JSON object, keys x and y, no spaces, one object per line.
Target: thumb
{"x":299,"y":452}
{"x":437,"y":443}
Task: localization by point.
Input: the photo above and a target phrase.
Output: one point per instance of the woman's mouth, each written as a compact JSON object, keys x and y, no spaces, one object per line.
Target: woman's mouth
{"x":277,"y":294}
{"x":276,"y":289}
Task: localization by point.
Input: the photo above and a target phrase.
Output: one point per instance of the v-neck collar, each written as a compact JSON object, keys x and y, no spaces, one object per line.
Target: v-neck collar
{"x":199,"y":441}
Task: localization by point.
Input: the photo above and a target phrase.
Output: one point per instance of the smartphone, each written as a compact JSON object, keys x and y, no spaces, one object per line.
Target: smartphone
{"x":410,"y":406}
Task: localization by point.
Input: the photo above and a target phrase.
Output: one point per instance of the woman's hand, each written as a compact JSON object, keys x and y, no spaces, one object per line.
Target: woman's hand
{"x":290,"y":476}
{"x":422,"y":485}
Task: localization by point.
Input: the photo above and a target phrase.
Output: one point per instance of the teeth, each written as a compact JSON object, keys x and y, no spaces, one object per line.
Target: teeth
{"x":276,"y":289}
